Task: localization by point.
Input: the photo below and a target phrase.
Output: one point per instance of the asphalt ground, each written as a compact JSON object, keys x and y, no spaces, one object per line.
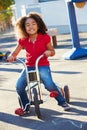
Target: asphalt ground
{"x":65,"y":72}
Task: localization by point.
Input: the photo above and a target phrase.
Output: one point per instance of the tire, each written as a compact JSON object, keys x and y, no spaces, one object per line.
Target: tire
{"x":36,"y":103}
{"x":67,"y":93}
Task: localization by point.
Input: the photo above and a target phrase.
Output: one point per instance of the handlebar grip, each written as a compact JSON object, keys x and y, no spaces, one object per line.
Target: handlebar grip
{"x":12,"y":60}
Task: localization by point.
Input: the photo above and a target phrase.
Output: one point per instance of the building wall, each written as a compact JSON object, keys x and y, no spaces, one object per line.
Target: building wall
{"x":19,"y":3}
{"x":54,"y":13}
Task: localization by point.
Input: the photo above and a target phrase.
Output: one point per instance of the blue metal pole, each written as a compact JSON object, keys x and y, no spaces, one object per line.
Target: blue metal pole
{"x":73,"y":25}
{"x":77,"y":51}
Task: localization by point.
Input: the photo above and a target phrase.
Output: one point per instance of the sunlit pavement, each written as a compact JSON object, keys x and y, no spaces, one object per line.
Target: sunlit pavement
{"x":65,"y":72}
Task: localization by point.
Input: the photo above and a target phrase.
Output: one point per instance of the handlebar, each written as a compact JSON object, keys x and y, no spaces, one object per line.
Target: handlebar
{"x":38,"y":59}
{"x":36,"y":63}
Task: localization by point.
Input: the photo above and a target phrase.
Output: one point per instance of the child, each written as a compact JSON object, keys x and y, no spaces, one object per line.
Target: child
{"x":34,"y":39}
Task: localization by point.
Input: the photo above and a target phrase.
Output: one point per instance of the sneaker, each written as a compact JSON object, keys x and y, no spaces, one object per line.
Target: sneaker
{"x":27,"y":108}
{"x":66,"y":107}
{"x":21,"y":112}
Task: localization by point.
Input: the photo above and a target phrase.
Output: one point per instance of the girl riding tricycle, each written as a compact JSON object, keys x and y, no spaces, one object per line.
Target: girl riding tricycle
{"x":32,"y":36}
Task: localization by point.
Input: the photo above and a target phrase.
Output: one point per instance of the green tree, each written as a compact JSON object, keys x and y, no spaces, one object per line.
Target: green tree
{"x":4,"y":4}
{"x":5,"y":12}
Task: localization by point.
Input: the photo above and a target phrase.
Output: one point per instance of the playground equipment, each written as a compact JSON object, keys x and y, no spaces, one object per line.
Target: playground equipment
{"x":77,"y":51}
{"x":80,"y":4}
{"x":4,"y":55}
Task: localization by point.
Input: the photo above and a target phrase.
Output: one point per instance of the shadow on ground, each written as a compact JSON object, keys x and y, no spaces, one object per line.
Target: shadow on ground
{"x":50,"y":120}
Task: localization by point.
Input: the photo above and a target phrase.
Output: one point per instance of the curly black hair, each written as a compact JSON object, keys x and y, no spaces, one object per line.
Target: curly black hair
{"x":20,"y":25}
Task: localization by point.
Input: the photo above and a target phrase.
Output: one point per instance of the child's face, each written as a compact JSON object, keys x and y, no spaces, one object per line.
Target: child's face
{"x":31,"y":26}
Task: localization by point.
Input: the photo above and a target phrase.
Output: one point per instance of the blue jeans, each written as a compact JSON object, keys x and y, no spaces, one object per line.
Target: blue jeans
{"x":46,"y":78}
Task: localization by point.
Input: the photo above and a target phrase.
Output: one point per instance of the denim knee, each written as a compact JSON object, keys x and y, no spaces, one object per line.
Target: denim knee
{"x":50,"y":86}
{"x":20,"y":86}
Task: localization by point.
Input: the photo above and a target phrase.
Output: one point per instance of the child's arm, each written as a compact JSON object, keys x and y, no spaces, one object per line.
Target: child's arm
{"x":50,"y":50}
{"x":13,"y":55}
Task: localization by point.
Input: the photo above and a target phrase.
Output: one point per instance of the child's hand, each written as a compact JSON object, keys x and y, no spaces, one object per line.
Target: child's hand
{"x":48,"y":53}
{"x":11,"y":59}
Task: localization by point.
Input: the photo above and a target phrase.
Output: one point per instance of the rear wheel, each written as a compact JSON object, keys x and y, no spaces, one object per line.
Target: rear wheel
{"x":36,"y":103}
{"x":67,"y":93}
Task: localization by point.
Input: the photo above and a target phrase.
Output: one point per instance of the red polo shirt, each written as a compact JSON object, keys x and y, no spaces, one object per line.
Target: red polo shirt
{"x":34,"y":50}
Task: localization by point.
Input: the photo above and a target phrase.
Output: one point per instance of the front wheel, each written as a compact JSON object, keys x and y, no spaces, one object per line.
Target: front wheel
{"x":36,"y":103}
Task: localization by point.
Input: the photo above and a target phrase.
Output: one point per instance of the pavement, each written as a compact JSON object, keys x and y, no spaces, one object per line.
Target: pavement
{"x":65,"y":72}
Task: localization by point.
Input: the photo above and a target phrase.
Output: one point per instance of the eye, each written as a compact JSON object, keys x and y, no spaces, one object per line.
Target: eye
{"x":34,"y":23}
{"x":27,"y":25}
